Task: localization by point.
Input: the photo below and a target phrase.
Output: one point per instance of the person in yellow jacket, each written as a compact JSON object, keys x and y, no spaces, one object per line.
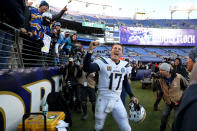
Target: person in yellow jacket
{"x":173,"y":86}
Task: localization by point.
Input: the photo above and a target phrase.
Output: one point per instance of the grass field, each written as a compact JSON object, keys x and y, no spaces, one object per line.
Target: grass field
{"x":151,"y":122}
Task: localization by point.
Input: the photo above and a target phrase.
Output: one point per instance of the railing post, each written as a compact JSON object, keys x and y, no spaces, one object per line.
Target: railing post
{"x":16,"y":42}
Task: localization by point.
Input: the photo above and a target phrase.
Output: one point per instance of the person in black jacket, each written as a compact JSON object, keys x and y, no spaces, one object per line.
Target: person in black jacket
{"x":180,"y":69}
{"x":186,"y":116}
{"x":157,"y":89}
{"x":12,"y":12}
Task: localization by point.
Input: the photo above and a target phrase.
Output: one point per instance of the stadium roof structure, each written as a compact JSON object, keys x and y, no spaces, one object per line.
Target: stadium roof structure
{"x":103,"y":3}
{"x":188,"y":7}
{"x":118,"y":8}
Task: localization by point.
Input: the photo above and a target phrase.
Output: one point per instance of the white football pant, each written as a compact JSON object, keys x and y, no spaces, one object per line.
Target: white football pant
{"x":118,"y":112}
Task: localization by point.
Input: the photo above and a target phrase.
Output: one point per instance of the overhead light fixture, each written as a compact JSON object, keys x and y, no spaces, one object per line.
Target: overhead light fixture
{"x":87,"y":4}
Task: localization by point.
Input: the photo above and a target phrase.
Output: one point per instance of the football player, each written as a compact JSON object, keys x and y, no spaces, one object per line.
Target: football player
{"x":112,"y":72}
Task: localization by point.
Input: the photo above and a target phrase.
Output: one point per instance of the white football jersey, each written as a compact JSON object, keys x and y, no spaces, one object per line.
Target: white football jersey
{"x":111,"y":76}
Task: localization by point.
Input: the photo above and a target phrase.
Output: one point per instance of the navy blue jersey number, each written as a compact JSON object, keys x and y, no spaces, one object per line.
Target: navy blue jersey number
{"x":114,"y":76}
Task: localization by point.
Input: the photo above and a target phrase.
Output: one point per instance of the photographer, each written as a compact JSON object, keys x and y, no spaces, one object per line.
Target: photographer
{"x":87,"y":83}
{"x":70,"y":73}
{"x":134,"y":72}
{"x":77,"y":53}
{"x":72,"y":69}
{"x":173,"y":86}
{"x":156,"y":88}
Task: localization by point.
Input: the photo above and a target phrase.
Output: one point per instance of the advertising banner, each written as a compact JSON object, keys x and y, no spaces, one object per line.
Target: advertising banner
{"x":95,"y":25}
{"x":158,"y":37}
{"x":112,"y":34}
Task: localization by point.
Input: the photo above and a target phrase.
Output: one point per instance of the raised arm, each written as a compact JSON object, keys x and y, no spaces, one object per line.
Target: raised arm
{"x":60,"y":14}
{"x":88,"y":65}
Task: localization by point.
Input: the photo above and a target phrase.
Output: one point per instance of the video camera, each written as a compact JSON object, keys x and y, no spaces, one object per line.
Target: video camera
{"x":167,"y":60}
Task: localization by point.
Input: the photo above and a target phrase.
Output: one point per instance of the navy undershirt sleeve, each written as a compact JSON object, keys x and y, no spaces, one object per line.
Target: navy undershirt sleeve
{"x":127,"y":87}
{"x":88,"y":66}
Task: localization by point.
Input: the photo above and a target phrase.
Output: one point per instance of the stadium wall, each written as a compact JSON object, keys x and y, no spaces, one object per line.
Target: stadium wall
{"x":23,"y":91}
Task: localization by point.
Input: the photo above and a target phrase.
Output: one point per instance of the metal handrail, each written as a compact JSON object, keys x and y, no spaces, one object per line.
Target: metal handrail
{"x":23,"y":53}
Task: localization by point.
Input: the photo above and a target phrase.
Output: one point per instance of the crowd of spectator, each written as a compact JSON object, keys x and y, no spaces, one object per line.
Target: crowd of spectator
{"x":41,"y":31}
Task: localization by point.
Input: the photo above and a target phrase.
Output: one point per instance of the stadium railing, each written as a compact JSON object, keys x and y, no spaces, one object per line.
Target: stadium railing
{"x":18,"y":50}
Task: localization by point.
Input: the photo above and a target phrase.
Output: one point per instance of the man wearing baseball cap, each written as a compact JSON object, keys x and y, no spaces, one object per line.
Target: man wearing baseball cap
{"x":36,"y":20}
{"x":191,"y":59}
{"x":36,"y":24}
{"x":172,"y":85}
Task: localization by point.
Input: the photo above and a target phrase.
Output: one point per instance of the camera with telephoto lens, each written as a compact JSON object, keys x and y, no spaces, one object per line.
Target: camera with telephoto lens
{"x":156,"y":75}
{"x":69,"y":84}
{"x":77,"y":55}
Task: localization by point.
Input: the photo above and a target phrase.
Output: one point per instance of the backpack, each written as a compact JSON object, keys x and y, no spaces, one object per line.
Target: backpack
{"x":57,"y":102}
